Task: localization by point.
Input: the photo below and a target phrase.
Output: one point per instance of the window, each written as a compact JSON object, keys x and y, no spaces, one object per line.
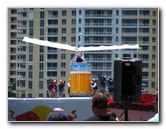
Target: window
{"x":72,"y":55}
{"x":30,"y":32}
{"x":63,"y":56}
{"x":145,"y":57}
{"x":153,"y":74}
{"x":52,"y":66}
{"x":73,"y":12}
{"x":29,"y":95}
{"x":126,"y":55}
{"x":52,"y":74}
{"x":73,"y":39}
{"x":79,"y":21}
{"x":145,"y":48}
{"x":63,"y":39}
{"x":144,"y":75}
{"x":73,"y":30}
{"x":116,"y":38}
{"x":63,"y":73}
{"x":52,"y":57}
{"x":30,"y":67}
{"x":79,"y":12}
{"x":153,"y":65}
{"x":41,"y":32}
{"x":152,"y":84}
{"x":30,"y":49}
{"x":30,"y":23}
{"x":73,"y":21}
{"x":153,"y":48}
{"x":52,"y":39}
{"x":153,"y":39}
{"x":153,"y":57}
{"x":63,"y":65}
{"x":41,"y":74}
{"x":41,"y":66}
{"x":41,"y":23}
{"x":40,"y":84}
{"x":63,"y":12}
{"x":30,"y":75}
{"x":109,"y":12}
{"x":29,"y":84}
{"x":117,"y":21}
{"x":30,"y":57}
{"x":40,"y":94}
{"x":63,"y":21}
{"x":41,"y":14}
{"x":41,"y":49}
{"x":52,"y":22}
{"x":154,"y":13}
{"x":116,"y":30}
{"x":153,"y":30}
{"x":79,"y":30}
{"x":154,"y":22}
{"x":145,"y":65}
{"x":41,"y":57}
{"x":117,"y":12}
{"x":135,"y":55}
{"x":41,"y":38}
{"x":63,"y":30}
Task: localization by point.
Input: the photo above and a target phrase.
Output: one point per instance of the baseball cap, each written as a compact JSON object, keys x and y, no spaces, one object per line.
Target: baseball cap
{"x":57,"y":114}
{"x":99,"y":100}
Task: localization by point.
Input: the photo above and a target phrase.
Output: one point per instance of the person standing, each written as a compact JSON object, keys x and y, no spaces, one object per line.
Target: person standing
{"x":54,"y":88}
{"x":155,"y":118}
{"x":68,"y":84}
{"x":100,"y":108}
{"x":94,"y":86}
{"x":102,"y":84}
{"x":61,"y":88}
{"x":49,"y":87}
{"x":110,"y":87}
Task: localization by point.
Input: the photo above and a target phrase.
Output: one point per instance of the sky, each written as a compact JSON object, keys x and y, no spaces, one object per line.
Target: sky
{"x":5,"y":4}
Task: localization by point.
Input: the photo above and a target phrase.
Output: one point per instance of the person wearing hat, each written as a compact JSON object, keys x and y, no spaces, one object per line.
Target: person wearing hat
{"x":100,"y":109}
{"x":79,"y":57}
{"x":57,"y":114}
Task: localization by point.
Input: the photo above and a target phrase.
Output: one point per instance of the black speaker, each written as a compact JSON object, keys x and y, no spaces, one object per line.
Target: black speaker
{"x":127,"y":80}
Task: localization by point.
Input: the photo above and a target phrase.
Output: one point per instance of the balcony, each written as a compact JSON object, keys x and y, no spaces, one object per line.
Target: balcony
{"x":99,"y":15}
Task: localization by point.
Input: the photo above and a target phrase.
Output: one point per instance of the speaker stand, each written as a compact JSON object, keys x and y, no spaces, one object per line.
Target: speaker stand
{"x":125,"y":112}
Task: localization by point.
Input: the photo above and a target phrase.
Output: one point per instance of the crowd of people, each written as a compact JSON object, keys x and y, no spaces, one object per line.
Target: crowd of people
{"x":101,"y":111}
{"x":99,"y":107}
{"x":55,"y":89}
{"x":102,"y":85}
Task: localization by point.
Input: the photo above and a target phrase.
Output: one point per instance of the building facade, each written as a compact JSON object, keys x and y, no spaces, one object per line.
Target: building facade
{"x":31,"y":66}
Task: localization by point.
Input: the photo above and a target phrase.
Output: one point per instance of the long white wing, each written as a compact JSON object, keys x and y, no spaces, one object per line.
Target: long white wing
{"x":113,"y":47}
{"x":50,"y":44}
{"x":74,"y":48}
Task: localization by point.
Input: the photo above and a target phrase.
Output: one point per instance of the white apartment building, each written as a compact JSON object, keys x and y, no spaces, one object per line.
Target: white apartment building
{"x":31,"y":66}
